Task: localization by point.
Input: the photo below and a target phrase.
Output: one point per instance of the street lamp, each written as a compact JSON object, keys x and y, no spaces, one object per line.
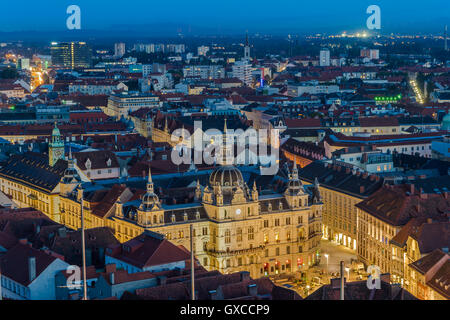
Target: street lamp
{"x":326,"y":257}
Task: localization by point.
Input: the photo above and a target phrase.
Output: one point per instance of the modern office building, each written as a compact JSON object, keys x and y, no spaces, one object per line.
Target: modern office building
{"x":71,"y":54}
{"x":119,"y":50}
{"x":324,"y":58}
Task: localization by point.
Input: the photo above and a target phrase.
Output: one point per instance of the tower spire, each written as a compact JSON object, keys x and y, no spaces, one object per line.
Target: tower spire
{"x":150,"y":186}
{"x":295,"y":170}
{"x":246,"y":47}
{"x":225,"y":147}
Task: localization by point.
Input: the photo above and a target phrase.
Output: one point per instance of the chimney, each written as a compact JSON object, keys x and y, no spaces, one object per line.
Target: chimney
{"x":213,"y":294}
{"x":110,"y":268}
{"x":342,"y":281}
{"x":62,"y":232}
{"x":385,"y":277}
{"x":252,"y":290}
{"x":32,"y":268}
{"x":361,"y":189}
{"x":335,"y":283}
{"x":245,"y":275}
{"x":111,"y":278}
{"x":162,"y":280}
{"x":423,"y":195}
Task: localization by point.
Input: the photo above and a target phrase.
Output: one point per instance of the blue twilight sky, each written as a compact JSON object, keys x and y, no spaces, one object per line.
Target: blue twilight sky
{"x":226,"y":16}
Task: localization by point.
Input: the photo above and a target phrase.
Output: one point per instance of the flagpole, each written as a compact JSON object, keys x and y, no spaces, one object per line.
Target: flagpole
{"x":192,"y":263}
{"x":83,"y":248}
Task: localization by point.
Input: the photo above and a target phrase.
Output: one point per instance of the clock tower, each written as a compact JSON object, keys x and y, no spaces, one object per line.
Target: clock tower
{"x":55,"y":147}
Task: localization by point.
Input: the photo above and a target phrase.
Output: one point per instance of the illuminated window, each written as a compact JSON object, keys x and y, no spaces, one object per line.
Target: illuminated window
{"x":239,"y":234}
{"x":251,"y":234}
{"x":227,"y":236}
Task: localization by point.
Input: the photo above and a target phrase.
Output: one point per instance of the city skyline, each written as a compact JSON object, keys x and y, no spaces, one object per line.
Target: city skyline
{"x":202,"y":18}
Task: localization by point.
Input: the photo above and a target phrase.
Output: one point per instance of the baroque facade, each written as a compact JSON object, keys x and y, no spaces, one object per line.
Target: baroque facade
{"x":235,"y":228}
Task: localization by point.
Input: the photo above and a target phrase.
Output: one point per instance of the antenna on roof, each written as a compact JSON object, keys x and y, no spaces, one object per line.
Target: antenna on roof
{"x":83,"y":248}
{"x":191,"y":229}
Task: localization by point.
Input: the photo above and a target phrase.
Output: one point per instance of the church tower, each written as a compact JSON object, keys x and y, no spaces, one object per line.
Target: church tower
{"x":55,"y":147}
{"x":295,"y":193}
{"x":246,"y":48}
{"x":71,"y":179}
{"x":150,"y":212}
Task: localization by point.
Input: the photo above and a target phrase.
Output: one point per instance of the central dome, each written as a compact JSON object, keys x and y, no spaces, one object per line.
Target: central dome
{"x":226,"y":176}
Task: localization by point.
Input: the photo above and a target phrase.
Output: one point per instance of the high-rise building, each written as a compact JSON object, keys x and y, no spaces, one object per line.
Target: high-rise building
{"x":243,"y":71}
{"x":372,"y":54}
{"x":324,"y":58}
{"x":71,"y":54}
{"x":119,"y":50}
{"x":23,"y":64}
{"x":202,"y":50}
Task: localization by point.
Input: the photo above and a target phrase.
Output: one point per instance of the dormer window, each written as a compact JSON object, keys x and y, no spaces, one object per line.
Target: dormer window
{"x":108,"y":163}
{"x":172,"y":218}
{"x":88,"y":164}
{"x":185,"y":216}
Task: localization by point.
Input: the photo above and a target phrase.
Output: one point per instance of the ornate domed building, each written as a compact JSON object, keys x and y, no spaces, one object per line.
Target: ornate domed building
{"x":150,"y":212}
{"x":235,"y":228}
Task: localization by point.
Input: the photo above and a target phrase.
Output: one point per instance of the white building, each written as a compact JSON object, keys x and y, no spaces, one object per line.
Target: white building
{"x":119,"y":50}
{"x":243,"y":71}
{"x":29,"y":274}
{"x":122,"y":104}
{"x":96,"y":87}
{"x":298,"y":89}
{"x":324,"y":59}
{"x":204,"y":71}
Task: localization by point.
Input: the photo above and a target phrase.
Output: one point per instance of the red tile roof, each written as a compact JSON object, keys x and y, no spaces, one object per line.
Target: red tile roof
{"x":14,"y":264}
{"x":147,"y":250}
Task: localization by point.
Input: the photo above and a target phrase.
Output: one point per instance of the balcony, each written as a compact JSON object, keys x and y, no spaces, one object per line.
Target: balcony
{"x":223,"y":253}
